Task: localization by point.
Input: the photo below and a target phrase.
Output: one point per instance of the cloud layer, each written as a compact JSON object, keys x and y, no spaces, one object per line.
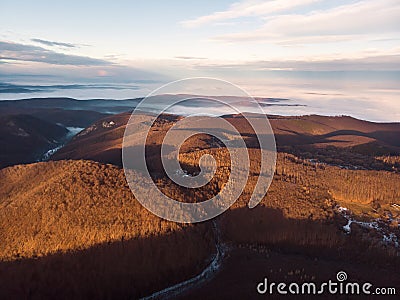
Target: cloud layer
{"x":9,"y":88}
{"x":248,"y":8}
{"x":23,"y":52}
{"x":371,"y":63}
{"x":52,"y":43}
{"x":281,"y":24}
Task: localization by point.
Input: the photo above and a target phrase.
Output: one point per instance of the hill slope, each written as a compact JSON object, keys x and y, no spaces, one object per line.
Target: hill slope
{"x":335,"y":140}
{"x":81,"y":216}
{"x":24,"y":138}
{"x":76,"y":224}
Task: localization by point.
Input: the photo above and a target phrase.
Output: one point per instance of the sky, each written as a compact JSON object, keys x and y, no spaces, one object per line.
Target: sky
{"x":335,"y":57}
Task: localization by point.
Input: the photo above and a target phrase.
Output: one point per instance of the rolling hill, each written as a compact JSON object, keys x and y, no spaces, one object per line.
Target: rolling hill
{"x":72,"y":227}
{"x":343,"y":141}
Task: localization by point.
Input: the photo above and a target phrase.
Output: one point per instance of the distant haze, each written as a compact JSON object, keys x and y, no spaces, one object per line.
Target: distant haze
{"x":332,"y":57}
{"x":330,"y":94}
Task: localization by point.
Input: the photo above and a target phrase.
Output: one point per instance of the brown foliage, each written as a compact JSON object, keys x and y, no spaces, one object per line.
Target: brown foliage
{"x":81,"y":215}
{"x":68,"y":205}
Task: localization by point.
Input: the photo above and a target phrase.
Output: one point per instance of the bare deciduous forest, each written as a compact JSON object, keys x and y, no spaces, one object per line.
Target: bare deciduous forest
{"x":73,"y":227}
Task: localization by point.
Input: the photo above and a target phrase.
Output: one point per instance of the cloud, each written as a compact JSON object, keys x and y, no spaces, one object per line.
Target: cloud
{"x":361,"y":19}
{"x":21,"y":89}
{"x":248,"y":8}
{"x":371,"y":63}
{"x":189,"y":57}
{"x":46,"y":74}
{"x":23,"y":52}
{"x":52,"y":43}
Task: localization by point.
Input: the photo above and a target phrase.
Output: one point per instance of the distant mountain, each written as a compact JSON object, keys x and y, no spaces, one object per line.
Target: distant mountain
{"x":341,"y":131}
{"x":100,"y":142}
{"x":28,"y":126}
{"x":111,"y":106}
{"x":68,"y":118}
{"x":24,"y":138}
{"x":336,"y":140}
{"x":98,"y":105}
{"x":340,"y":140}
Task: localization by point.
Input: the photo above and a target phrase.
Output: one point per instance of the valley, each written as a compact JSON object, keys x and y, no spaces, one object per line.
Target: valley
{"x":71,"y":226}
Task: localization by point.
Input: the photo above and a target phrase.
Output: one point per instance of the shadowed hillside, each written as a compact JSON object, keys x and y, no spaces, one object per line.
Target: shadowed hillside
{"x":74,"y":227}
{"x":24,"y":138}
{"x":81,"y":215}
{"x":84,"y":203}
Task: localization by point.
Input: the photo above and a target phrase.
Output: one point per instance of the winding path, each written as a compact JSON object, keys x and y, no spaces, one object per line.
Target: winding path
{"x":207,"y":274}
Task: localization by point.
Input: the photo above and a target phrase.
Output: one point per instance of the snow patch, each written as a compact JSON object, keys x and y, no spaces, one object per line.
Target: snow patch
{"x":109,"y":124}
{"x":378,"y":225}
{"x":347,"y":227}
